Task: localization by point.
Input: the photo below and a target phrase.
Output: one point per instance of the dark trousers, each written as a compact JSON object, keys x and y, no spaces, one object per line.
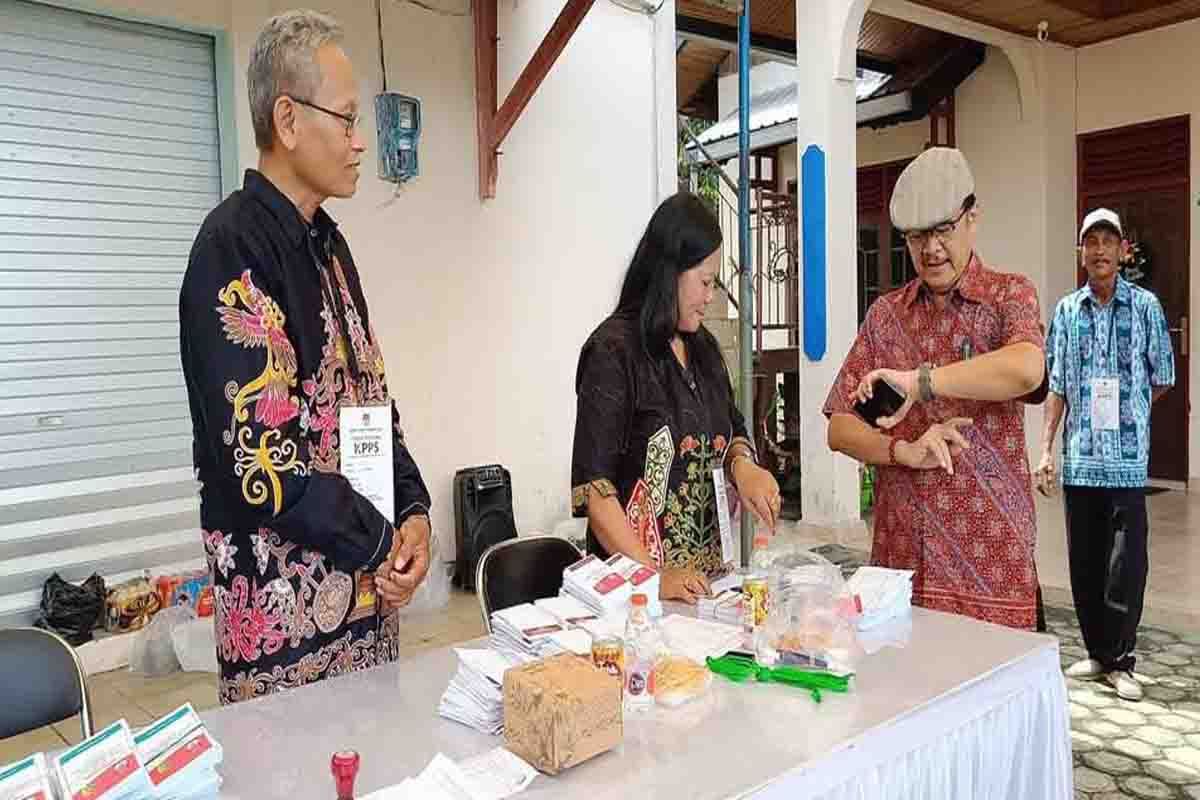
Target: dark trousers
{"x":1106,"y":543}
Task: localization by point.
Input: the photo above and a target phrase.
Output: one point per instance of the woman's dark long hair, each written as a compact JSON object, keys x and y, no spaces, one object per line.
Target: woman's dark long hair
{"x":681,"y":234}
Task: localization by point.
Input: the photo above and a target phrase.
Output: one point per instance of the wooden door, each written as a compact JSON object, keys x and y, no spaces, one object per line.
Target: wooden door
{"x":1142,"y":173}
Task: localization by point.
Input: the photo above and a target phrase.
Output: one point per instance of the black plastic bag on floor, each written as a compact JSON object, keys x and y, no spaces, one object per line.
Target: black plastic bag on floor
{"x":72,"y":611}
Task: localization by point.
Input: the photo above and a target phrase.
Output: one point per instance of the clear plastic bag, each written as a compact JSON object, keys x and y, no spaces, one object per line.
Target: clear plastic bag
{"x":434,"y":592}
{"x":805,"y":625}
{"x":153,"y":650}
{"x":195,"y":644}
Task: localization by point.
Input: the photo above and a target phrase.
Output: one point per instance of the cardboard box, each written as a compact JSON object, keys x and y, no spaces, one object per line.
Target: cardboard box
{"x":560,"y":712}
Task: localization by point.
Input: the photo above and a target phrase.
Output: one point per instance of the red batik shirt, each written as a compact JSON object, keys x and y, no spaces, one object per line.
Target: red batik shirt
{"x":968,"y":537}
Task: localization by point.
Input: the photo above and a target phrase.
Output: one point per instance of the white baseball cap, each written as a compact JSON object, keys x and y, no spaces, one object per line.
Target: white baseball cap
{"x":1101,"y":216}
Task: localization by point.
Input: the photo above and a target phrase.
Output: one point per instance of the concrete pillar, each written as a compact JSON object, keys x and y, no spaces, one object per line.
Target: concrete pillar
{"x":826,"y":30}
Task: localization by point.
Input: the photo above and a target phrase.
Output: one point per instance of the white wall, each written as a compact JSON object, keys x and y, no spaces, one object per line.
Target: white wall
{"x":1141,"y":78}
{"x":894,"y":143}
{"x":482,"y":307}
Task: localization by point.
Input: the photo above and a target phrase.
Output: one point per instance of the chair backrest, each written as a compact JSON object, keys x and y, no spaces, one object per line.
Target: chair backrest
{"x":41,"y":682}
{"x":520,"y":571}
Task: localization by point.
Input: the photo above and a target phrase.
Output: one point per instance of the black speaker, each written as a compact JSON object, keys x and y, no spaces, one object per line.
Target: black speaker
{"x":483,"y":515}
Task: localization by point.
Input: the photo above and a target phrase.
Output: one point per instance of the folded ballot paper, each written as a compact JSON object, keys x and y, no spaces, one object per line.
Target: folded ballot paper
{"x":180,"y":756}
{"x":104,"y":767}
{"x":28,"y":779}
{"x":641,"y":579}
{"x":598,"y":586}
{"x":523,"y":631}
{"x":885,"y":594}
{"x":494,"y":775}
{"x":475,"y":696}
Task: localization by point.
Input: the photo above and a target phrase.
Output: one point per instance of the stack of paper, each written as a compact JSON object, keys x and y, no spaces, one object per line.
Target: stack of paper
{"x":104,"y":767}
{"x":567,"y":610}
{"x":494,"y":775}
{"x":526,"y":630}
{"x":884,"y":594}
{"x":181,"y":756}
{"x":700,"y":638}
{"x":725,"y":607}
{"x":598,"y":586}
{"x":475,"y":696}
{"x":642,"y":579}
{"x":27,"y":780}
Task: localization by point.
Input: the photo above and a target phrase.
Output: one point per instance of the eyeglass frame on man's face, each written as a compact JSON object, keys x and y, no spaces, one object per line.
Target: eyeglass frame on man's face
{"x":943,"y":232}
{"x":351,"y":120}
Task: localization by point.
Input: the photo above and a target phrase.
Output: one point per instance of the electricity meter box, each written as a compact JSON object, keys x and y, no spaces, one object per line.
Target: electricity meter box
{"x":399,"y":119}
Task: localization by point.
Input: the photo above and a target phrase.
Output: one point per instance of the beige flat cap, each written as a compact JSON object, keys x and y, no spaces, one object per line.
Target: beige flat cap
{"x":931,"y":190}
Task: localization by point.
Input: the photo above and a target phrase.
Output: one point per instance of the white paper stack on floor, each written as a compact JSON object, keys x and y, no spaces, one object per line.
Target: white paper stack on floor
{"x":526,"y":630}
{"x":475,"y":696}
{"x":104,"y":767}
{"x":27,"y":779}
{"x":885,"y":594}
{"x":181,"y":756}
{"x":598,"y":586}
{"x":642,"y":579}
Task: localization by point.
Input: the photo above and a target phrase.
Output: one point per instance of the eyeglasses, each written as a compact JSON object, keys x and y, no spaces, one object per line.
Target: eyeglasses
{"x":351,"y":120}
{"x":943,"y":232}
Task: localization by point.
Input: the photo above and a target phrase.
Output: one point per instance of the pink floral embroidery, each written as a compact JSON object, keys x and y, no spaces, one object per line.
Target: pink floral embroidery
{"x":251,"y":622}
{"x":688,"y":444}
{"x":220,"y":551}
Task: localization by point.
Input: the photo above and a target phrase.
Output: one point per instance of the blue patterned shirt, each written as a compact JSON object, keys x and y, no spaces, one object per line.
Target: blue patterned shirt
{"x":1126,"y":340}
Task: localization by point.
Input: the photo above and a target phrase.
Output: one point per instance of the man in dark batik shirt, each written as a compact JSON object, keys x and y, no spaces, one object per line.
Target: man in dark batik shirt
{"x":276,"y":340}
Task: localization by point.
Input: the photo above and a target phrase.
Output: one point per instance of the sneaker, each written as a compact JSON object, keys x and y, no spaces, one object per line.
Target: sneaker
{"x":1126,"y":685}
{"x":1086,"y":670}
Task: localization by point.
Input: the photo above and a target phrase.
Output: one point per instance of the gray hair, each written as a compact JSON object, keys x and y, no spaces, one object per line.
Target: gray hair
{"x":283,"y":62}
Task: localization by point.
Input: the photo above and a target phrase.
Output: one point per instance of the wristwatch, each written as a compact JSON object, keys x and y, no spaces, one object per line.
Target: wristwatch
{"x":924,"y":384}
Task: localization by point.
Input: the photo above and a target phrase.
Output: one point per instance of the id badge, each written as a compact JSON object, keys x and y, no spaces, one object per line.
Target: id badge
{"x":366,"y":450}
{"x":727,"y":554}
{"x":1106,"y":395}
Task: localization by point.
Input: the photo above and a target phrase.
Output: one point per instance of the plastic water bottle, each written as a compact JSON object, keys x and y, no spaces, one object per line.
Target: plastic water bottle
{"x":761,"y":555}
{"x":641,"y":650}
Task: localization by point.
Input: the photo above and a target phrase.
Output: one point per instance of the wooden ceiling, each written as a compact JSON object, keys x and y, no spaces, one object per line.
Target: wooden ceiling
{"x":888,"y":42}
{"x":1074,"y":22}
{"x":898,"y":43}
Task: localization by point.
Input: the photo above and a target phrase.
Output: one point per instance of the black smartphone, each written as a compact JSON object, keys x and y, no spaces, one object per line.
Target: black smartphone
{"x":885,"y":401}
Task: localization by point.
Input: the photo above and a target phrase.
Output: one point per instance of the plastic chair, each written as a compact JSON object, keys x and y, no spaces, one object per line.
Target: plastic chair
{"x":520,"y":571}
{"x":41,"y":682}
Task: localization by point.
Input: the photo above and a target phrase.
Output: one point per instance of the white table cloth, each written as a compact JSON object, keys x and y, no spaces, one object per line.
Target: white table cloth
{"x":967,"y":711}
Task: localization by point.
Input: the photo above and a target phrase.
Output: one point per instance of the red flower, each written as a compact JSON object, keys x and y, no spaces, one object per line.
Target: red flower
{"x":688,"y":444}
{"x":719,"y":444}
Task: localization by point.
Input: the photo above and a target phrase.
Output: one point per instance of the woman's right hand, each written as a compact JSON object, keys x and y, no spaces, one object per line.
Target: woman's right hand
{"x":682,"y":583}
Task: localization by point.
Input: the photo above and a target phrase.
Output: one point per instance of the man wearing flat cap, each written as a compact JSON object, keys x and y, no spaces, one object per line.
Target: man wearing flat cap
{"x":1109,"y":357}
{"x":964,"y":345}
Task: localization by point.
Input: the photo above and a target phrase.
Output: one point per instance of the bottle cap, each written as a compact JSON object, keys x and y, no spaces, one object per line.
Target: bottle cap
{"x":638,"y":599}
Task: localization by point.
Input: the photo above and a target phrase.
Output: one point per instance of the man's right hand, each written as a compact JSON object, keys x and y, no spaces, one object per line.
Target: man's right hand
{"x":936,"y":448}
{"x":1046,"y":475}
{"x":682,"y":583}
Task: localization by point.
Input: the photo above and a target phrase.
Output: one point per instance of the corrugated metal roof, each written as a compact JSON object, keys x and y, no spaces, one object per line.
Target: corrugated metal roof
{"x":782,"y":105}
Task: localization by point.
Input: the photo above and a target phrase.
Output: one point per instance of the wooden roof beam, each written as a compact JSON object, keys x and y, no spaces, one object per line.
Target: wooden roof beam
{"x":775,"y":48}
{"x":493,"y":122}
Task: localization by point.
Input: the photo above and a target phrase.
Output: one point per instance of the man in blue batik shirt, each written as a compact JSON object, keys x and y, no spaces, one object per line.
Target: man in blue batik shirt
{"x":1108,"y":359}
